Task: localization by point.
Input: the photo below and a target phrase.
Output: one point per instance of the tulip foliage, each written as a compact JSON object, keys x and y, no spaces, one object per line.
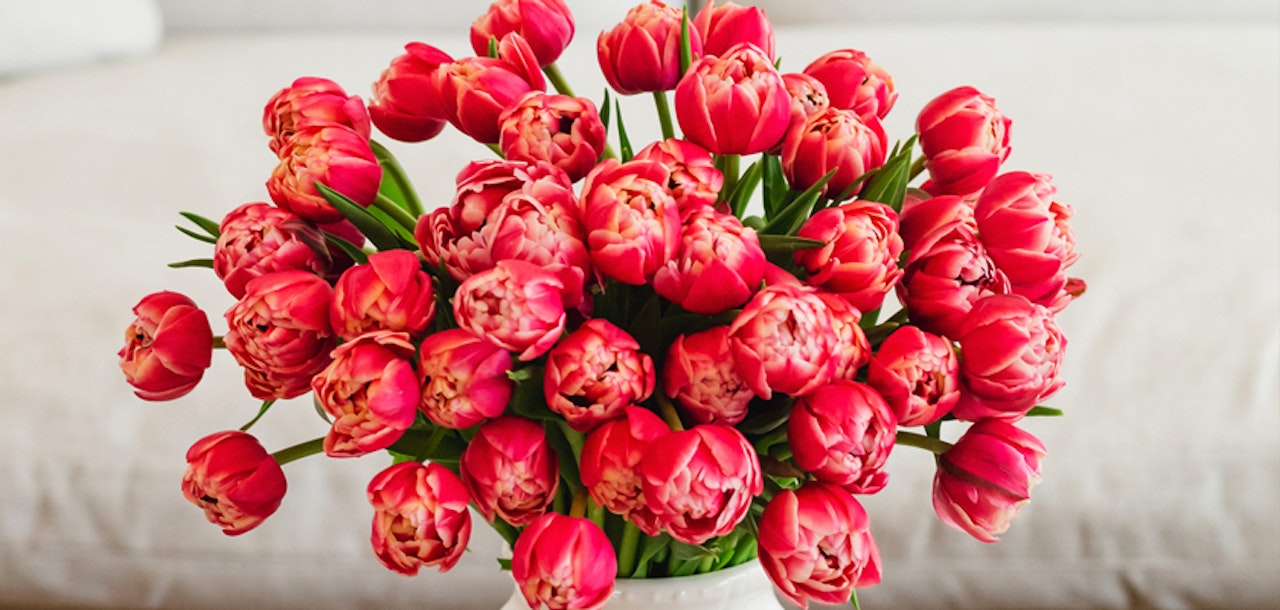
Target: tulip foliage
{"x":641,"y":362}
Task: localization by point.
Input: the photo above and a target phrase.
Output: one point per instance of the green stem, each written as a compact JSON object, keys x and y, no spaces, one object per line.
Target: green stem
{"x":628,"y":549}
{"x":917,"y":166}
{"x":668,"y":411}
{"x":911,"y":439}
{"x":497,"y":150}
{"x":557,"y":79}
{"x":392,"y":167}
{"x":706,"y":565}
{"x":266,"y":404}
{"x":299,"y":451}
{"x":728,"y":165}
{"x":664,"y":114}
{"x":218,"y":343}
{"x":397,"y":213}
{"x":574,"y":438}
{"x":579,"y":506}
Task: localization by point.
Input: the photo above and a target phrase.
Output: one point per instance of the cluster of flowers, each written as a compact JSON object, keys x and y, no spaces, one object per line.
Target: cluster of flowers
{"x":631,"y":378}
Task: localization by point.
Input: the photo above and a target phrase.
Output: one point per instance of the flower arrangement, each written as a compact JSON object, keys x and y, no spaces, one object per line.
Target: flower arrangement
{"x":633,"y":363}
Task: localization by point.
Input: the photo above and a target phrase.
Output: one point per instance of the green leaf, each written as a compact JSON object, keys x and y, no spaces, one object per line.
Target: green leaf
{"x":378,"y":233}
{"x":195,"y":262}
{"x":775,"y":185}
{"x":320,"y":410}
{"x":198,"y":236}
{"x":356,"y":254}
{"x":527,"y":399}
{"x":504,"y":564}
{"x":793,"y":216}
{"x":210,"y":227}
{"x":889,"y":184}
{"x":654,"y":549}
{"x":786,"y":244}
{"x":493,"y":47}
{"x":624,"y":142}
{"x":1042,"y":410}
{"x":853,"y":599}
{"x":745,"y":188}
{"x":605,"y":110}
{"x":266,"y":404}
{"x":686,"y":51}
{"x":564,"y":454}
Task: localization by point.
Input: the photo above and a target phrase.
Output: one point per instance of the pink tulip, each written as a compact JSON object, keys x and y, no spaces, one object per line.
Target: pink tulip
{"x":472,"y":92}
{"x":547,"y":25}
{"x":1010,"y":352}
{"x":482,"y":185}
{"x":854,"y":82}
{"x":610,"y":464}
{"x":167,"y":346}
{"x":719,"y":264}
{"x":642,"y":53}
{"x":699,"y":375}
{"x":842,"y":433}
{"x":851,"y":349}
{"x":832,"y":140}
{"x":815,"y":544}
{"x":564,"y":563}
{"x":631,"y":220}
{"x":390,"y":292}
{"x":309,"y":103}
{"x":918,"y":374}
{"x":699,"y":482}
{"x":695,"y":182}
{"x":510,"y":471}
{"x":595,"y":373}
{"x":1028,"y":235}
{"x":984,"y":480}
{"x":463,"y":378}
{"x":964,"y":139}
{"x":561,"y":130}
{"x":335,"y":156}
{"x":234,"y":480}
{"x":280,"y":333}
{"x":420,"y":517}
{"x":783,"y":341}
{"x":370,"y":390}
{"x":515,"y":305}
{"x":257,"y":238}
{"x":403,"y":106}
{"x":808,"y":95}
{"x":727,"y":25}
{"x":735,"y":103}
{"x":859,"y":258}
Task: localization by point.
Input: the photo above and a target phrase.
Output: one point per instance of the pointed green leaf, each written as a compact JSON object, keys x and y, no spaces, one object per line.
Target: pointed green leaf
{"x":378,"y":233}
{"x":1042,"y":410}
{"x":356,"y":254}
{"x":605,"y":110}
{"x":786,"y":244}
{"x":686,"y":51}
{"x":210,"y":227}
{"x":775,"y":185}
{"x":789,"y":220}
{"x":195,"y":262}
{"x":623,"y":141}
{"x":197,"y":236}
{"x":493,"y":47}
{"x":745,"y":188}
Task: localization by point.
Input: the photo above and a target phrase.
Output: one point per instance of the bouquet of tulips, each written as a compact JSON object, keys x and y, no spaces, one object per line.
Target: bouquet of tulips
{"x":634,"y":362}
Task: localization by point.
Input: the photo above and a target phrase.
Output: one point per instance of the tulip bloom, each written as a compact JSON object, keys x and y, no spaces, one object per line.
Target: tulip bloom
{"x":832,"y":139}
{"x":308,"y":103}
{"x":280,"y":333}
{"x":719,"y":264}
{"x":420,"y":517}
{"x":335,"y":156}
{"x":851,"y":349}
{"x":859,"y":256}
{"x":725,"y":26}
{"x":733,"y":104}
{"x":854,"y":82}
{"x":699,"y":375}
{"x":808,"y":95}
{"x":167,"y":347}
{"x":463,"y":378}
{"x":564,"y":563}
{"x":483,"y":185}
{"x":510,"y":471}
{"x":695,"y":182}
{"x":593,"y":374}
{"x":610,"y":464}
{"x":1010,"y":352}
{"x":842,"y":433}
{"x":516,"y":306}
{"x":815,"y":544}
{"x":642,"y":53}
{"x":699,"y":482}
{"x":547,"y":25}
{"x":1028,"y":235}
{"x":402,"y":105}
{"x":984,"y":480}
{"x":561,"y":130}
{"x":783,"y":341}
{"x":371,"y":392}
{"x":964,"y":139}
{"x":390,"y":292}
{"x":234,"y":480}
{"x":632,"y":222}
{"x":539,"y":225}
{"x":918,"y":374}
{"x":473,"y":91}
{"x":258,"y":238}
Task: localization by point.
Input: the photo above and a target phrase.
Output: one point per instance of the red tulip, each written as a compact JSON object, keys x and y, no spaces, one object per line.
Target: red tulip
{"x":167,"y":347}
{"x":234,"y":480}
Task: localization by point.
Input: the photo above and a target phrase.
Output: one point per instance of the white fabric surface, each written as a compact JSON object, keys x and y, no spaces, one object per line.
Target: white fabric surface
{"x":38,"y":34}
{"x":1161,"y":486}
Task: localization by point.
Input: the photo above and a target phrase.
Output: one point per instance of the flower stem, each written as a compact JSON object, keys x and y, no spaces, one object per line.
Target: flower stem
{"x":496,"y":150}
{"x":627,"y":550}
{"x":266,"y":404}
{"x":911,"y":439}
{"x":917,"y":166}
{"x":392,"y":167}
{"x":557,"y":79}
{"x":299,"y":451}
{"x":397,"y":213}
{"x":664,"y":114}
{"x":579,"y":506}
{"x":668,"y":411}
{"x":728,"y":166}
{"x":218,"y":343}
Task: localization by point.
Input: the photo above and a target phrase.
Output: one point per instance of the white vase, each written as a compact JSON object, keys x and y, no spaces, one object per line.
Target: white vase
{"x":744,"y":587}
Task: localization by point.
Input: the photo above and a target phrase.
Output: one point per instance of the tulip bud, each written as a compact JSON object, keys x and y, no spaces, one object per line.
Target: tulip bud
{"x":371,"y":392}
{"x":335,"y":156}
{"x":167,"y":347}
{"x":234,"y":480}
{"x":594,"y":373}
{"x":918,"y":374}
{"x":735,"y":103}
{"x":642,"y":53}
{"x":510,"y":470}
{"x":859,"y":257}
{"x":1010,"y":353}
{"x":727,"y":25}
{"x":632,"y":222}
{"x":699,"y":482}
{"x":257,"y":238}
{"x":718,"y":266}
{"x":280,"y":333}
{"x":610,"y":464}
{"x":390,"y":292}
{"x":546,"y":24}
{"x":309,"y":103}
{"x":403,"y":105}
{"x":964,"y":139}
{"x":464,"y":379}
{"x":842,"y":433}
{"x":832,"y":140}
{"x":986,"y":477}
{"x":420,"y":517}
{"x":564,"y":563}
